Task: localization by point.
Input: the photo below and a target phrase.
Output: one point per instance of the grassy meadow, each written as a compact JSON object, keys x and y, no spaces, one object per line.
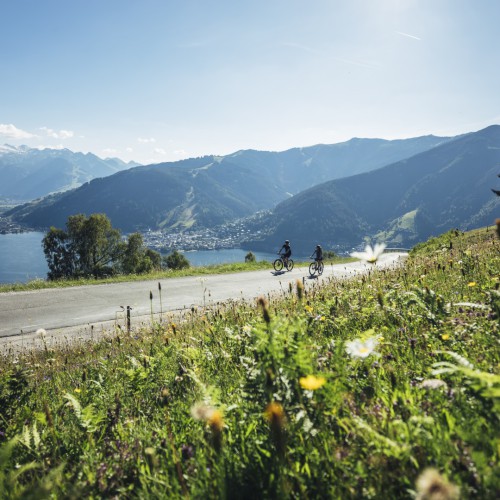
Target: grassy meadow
{"x":384,"y":386}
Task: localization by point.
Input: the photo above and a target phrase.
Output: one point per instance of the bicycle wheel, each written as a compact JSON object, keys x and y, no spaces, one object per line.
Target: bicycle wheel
{"x":312,"y":268}
{"x":278,"y":265}
{"x":289,"y":265}
{"x":321,"y":267}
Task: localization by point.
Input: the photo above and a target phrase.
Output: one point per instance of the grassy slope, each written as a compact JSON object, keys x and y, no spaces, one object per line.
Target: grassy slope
{"x":235,"y":267}
{"x":117,"y":418}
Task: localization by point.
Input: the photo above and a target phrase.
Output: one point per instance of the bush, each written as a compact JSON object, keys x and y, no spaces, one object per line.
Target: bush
{"x":250,"y":257}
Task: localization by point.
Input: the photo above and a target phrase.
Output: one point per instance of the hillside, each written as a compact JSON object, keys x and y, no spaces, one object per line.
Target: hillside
{"x":384,"y":387}
{"x":28,"y":173}
{"x":446,"y":187}
{"x":211,"y":190}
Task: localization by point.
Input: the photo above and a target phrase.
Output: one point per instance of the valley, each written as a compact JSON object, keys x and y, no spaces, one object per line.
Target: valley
{"x":339,"y":195}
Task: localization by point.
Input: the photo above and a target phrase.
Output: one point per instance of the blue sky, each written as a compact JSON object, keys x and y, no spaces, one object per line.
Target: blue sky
{"x":162,"y":80}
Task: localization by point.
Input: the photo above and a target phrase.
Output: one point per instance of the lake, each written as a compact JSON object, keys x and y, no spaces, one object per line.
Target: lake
{"x":22,"y":258}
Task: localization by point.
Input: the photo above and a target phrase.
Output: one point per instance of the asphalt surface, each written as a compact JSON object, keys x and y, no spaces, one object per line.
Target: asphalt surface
{"x":88,"y":311}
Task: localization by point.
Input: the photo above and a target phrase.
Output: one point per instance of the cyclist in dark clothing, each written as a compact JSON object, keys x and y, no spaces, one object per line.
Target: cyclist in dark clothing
{"x":318,"y":254}
{"x":288,"y":251}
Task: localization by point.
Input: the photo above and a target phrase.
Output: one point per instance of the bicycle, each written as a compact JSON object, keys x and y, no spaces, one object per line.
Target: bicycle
{"x":280,"y":263}
{"x":316,"y":267}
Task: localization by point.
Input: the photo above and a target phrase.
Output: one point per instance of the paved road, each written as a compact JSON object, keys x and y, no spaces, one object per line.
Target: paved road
{"x":94,"y":307}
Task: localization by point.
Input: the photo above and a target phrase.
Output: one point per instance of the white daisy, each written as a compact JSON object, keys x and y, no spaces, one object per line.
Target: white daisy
{"x":371,"y":254}
{"x":361,"y":348}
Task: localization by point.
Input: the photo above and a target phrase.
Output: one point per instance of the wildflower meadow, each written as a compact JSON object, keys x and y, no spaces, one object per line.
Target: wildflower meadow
{"x":383,"y":386}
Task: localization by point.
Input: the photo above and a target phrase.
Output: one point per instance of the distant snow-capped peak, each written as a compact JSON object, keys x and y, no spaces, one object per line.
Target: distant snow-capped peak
{"x":7,"y":148}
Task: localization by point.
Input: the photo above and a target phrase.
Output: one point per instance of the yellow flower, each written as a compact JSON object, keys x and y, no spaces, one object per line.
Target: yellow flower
{"x":311,"y":383}
{"x":309,"y":309}
{"x":274,"y":414}
{"x":215,"y":421}
{"x":276,"y":417}
{"x":471,"y":283}
{"x":78,"y":390}
{"x":445,"y":336}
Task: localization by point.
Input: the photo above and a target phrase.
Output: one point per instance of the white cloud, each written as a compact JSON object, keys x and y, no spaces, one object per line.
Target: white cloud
{"x":129,"y":150}
{"x":160,"y":151}
{"x":12,"y":132}
{"x":180,"y":152}
{"x":145,"y":141}
{"x":110,"y":151}
{"x":66,"y":134}
{"x":62,"y":134}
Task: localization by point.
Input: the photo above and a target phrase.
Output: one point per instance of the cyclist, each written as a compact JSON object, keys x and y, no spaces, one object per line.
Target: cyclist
{"x":317,"y":254}
{"x":288,"y":252}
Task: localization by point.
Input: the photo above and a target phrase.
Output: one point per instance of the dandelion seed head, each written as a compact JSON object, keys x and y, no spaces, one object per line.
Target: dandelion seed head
{"x":202,"y":411}
{"x":431,"y":485}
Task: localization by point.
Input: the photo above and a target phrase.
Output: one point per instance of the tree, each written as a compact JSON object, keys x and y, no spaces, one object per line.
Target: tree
{"x":96,"y":244}
{"x":90,"y":246}
{"x":176,"y":260}
{"x":59,"y":254}
{"x":136,"y":258}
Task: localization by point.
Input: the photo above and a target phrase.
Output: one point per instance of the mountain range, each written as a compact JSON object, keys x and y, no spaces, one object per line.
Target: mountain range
{"x":28,"y":173}
{"x":446,"y":187}
{"x":398,"y":191}
{"x":211,"y":190}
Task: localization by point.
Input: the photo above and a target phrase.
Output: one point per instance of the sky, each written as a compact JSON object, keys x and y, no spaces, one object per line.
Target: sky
{"x":162,"y":80}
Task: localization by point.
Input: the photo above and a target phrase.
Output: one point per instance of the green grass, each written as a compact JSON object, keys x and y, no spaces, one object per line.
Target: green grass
{"x":218,"y":405}
{"x":235,"y":267}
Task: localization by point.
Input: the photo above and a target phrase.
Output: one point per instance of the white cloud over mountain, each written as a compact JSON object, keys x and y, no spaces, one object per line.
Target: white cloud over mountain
{"x":62,"y":134}
{"x":12,"y":132}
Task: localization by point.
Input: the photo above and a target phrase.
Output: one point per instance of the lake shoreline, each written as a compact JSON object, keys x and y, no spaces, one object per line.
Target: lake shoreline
{"x":22,"y":259}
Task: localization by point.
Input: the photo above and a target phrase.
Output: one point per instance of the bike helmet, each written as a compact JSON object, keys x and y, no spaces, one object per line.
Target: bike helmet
{"x":318,"y":246}
{"x":286,"y":242}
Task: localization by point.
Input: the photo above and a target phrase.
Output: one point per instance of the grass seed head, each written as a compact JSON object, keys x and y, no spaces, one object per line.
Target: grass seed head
{"x":431,"y":485}
{"x":300,"y":290}
{"x":265,"y":309}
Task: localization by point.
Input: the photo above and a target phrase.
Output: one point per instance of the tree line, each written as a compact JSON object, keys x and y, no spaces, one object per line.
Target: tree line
{"x":91,"y":247}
